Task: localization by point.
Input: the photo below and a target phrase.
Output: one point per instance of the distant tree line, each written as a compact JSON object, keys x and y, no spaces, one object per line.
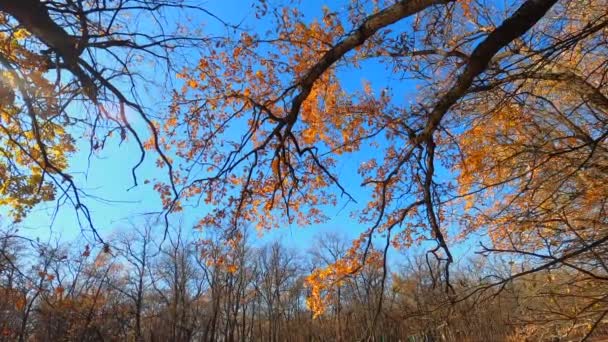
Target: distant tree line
{"x":191,"y":289}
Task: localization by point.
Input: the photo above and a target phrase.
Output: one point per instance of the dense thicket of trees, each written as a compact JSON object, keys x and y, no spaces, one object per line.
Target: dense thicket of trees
{"x":137,"y":291}
{"x":186,"y":289}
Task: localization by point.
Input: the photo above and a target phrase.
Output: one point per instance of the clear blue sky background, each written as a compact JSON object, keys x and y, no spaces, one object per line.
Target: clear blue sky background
{"x":109,"y":175}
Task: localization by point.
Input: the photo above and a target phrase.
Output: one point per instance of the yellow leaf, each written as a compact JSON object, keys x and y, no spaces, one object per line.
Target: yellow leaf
{"x":309,"y":135}
{"x":21,"y":34}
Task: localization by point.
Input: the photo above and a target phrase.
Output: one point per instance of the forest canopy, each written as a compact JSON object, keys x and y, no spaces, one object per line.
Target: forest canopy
{"x":466,"y":141}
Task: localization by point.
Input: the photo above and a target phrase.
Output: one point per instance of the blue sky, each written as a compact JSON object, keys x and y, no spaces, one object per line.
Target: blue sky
{"x":109,"y":174}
